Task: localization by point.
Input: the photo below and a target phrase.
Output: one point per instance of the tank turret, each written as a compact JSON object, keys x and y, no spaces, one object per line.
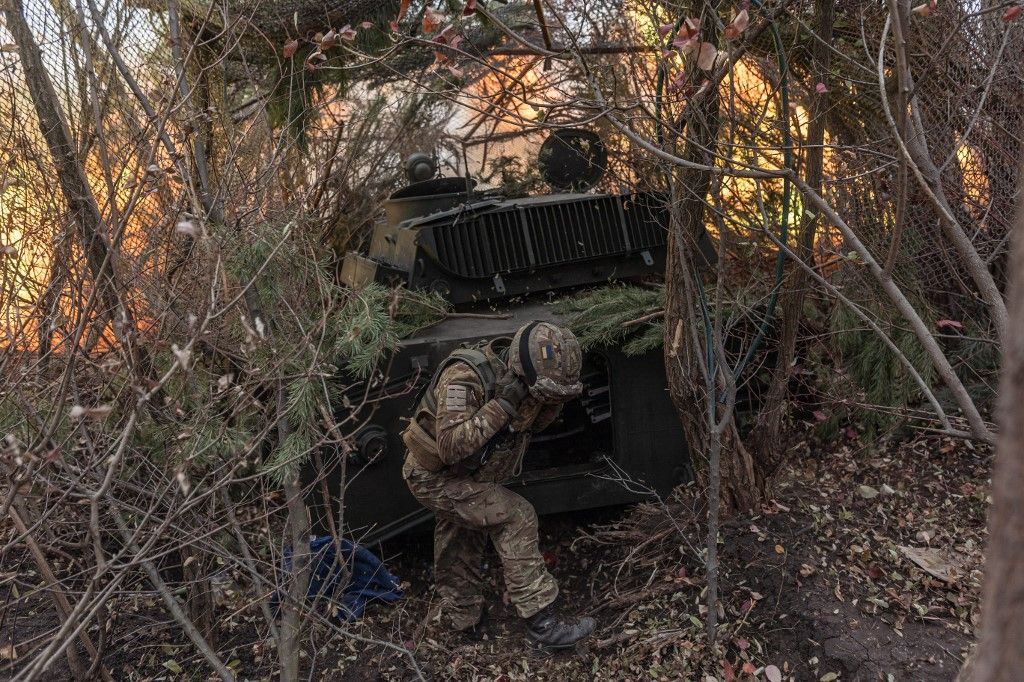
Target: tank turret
{"x":440,"y":234}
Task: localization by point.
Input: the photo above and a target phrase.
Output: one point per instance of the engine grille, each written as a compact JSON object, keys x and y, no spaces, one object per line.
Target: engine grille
{"x":531,"y":235}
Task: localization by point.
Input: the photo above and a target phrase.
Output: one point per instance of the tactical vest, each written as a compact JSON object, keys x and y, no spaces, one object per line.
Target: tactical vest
{"x":419,"y":436}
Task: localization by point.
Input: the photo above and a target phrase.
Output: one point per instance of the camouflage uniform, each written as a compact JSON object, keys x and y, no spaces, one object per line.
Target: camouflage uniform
{"x":472,"y":507}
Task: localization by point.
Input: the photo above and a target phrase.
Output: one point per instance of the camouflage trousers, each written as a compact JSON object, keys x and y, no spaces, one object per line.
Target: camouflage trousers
{"x":469,"y":512}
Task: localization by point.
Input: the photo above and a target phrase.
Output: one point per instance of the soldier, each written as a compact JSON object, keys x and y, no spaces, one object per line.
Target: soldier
{"x":467,"y":438}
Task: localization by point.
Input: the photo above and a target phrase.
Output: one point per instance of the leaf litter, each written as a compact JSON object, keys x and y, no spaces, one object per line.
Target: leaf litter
{"x":823,"y":584}
{"x":826,"y":583}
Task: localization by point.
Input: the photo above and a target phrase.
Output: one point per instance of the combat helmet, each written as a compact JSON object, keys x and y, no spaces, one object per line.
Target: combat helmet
{"x":549,"y":359}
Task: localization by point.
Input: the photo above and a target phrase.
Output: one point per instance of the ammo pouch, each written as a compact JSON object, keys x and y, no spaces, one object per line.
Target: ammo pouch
{"x":421,"y":443}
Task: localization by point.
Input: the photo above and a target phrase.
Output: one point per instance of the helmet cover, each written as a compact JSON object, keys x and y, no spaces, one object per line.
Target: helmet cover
{"x":549,"y":359}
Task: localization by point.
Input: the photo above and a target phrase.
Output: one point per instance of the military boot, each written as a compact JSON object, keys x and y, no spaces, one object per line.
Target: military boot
{"x":548,"y":630}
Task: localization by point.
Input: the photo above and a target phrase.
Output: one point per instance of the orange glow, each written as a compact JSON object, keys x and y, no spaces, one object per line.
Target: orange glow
{"x":34,"y":245}
{"x":977,"y":192}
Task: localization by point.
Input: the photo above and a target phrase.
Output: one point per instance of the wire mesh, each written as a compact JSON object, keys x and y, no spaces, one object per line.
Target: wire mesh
{"x":47,"y":281}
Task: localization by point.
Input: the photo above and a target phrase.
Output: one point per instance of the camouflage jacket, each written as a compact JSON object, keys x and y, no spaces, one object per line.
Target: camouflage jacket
{"x":465,"y":425}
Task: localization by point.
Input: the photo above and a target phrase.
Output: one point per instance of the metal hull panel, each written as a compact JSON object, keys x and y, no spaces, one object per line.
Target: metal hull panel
{"x":624,"y":421}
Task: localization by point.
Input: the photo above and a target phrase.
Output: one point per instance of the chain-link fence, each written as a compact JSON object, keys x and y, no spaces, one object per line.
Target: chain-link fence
{"x":966,"y":117}
{"x":46,"y":279}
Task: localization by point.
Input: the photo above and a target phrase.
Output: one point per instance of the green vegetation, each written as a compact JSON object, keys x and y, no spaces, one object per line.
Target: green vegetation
{"x":616,"y":315}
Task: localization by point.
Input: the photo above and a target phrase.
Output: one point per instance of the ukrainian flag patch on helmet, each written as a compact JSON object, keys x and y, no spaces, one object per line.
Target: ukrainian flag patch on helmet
{"x":547,"y":352}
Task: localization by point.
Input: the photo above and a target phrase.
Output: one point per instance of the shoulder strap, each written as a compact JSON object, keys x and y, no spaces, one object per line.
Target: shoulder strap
{"x":475,"y":358}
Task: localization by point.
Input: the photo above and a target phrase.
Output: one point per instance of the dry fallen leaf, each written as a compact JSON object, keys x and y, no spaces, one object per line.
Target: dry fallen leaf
{"x":738,"y":25}
{"x":403,"y":7}
{"x":867,"y":492}
{"x":431,"y":20}
{"x":934,"y":562}
{"x":329,"y":40}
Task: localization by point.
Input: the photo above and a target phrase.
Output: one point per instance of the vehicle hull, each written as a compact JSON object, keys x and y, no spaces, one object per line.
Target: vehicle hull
{"x":621,"y":442}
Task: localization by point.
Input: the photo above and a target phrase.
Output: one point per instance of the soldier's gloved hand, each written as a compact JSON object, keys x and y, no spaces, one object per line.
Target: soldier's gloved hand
{"x":510,"y":393}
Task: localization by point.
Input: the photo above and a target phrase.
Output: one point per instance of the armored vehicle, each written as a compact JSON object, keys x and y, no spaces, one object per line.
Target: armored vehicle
{"x":497,"y":260}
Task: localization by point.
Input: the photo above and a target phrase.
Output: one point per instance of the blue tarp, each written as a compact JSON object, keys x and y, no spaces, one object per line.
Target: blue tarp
{"x":369,"y":579}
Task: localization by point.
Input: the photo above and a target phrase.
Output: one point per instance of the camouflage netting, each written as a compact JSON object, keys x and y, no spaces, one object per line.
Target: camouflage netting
{"x":140,"y":186}
{"x":41,"y":262}
{"x":278,"y":21}
{"x":969,"y":90}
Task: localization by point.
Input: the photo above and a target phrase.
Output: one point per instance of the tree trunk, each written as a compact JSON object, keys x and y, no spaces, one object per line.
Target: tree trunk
{"x":297,"y":579}
{"x":1000,"y":655}
{"x":768,"y":432}
{"x":71,"y":176}
{"x":196,"y":569}
{"x":686,"y":345}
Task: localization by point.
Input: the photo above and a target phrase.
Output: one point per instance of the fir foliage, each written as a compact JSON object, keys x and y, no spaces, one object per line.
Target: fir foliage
{"x":599,"y":317}
{"x":362,"y":332}
{"x":877,"y":371}
{"x":287,"y":460}
{"x":319,"y":332}
{"x":375,"y":319}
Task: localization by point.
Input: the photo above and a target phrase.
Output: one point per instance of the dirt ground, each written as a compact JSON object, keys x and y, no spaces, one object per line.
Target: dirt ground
{"x":820,"y":585}
{"x":865,"y":566}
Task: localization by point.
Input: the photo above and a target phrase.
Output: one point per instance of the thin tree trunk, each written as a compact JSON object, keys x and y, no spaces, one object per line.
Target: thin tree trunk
{"x":721,"y":401}
{"x":1000,"y":655}
{"x":196,"y":567}
{"x":70,"y":174}
{"x":771,"y":418}
{"x":297,"y":580}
